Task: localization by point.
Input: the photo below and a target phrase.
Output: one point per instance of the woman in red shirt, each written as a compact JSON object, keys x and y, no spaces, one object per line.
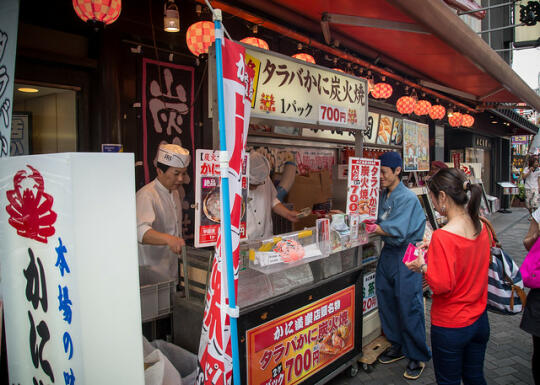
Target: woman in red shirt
{"x":457,"y":273}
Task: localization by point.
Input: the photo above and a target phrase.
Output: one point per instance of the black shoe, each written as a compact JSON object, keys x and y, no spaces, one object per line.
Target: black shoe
{"x":414,"y":369}
{"x":392,"y":354}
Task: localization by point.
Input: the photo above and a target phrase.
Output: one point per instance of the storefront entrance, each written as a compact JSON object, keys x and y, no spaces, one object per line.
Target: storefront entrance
{"x":44,"y":119}
{"x":478,"y":155}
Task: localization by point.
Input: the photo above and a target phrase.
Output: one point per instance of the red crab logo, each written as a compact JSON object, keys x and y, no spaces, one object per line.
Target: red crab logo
{"x":30,"y":207}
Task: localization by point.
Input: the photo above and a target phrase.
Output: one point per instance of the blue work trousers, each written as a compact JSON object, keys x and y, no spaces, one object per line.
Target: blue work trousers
{"x":458,"y":353}
{"x":401,"y":306}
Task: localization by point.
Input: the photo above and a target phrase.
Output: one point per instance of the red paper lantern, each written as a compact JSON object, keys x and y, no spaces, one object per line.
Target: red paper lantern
{"x":382,"y":91}
{"x":437,"y":112}
{"x":455,"y":119}
{"x":338,"y":69}
{"x":422,"y":107}
{"x":200,"y":36}
{"x":405,"y":105}
{"x":305,"y":57}
{"x":98,"y":11}
{"x":467,"y":120}
{"x":256,"y":42}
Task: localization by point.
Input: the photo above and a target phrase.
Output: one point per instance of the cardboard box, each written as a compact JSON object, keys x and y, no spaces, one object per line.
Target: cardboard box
{"x":308,"y":191}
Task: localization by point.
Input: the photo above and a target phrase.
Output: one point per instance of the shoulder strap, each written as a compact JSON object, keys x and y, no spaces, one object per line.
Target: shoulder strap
{"x":491,"y":232}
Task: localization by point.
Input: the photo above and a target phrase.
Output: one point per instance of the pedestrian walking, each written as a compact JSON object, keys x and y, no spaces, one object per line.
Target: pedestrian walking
{"x":530,"y":321}
{"x":531,"y":180}
{"x":456,"y":269}
{"x":399,"y":291}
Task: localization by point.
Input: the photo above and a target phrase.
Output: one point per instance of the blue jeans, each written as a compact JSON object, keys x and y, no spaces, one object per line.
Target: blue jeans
{"x":458,"y":353}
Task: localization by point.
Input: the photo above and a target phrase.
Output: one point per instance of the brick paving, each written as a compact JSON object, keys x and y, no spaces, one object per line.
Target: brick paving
{"x":508,"y":357}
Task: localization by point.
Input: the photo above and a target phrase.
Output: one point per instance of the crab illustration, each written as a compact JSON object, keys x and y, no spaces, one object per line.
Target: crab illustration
{"x":30,"y":206}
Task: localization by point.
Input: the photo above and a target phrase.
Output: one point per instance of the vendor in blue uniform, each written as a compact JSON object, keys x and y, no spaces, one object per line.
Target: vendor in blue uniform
{"x":399,"y":291}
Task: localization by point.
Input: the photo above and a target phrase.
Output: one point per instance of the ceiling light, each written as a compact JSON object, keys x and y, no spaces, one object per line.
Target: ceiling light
{"x":171,"y":18}
{"x":494,"y":122}
{"x":28,"y":90}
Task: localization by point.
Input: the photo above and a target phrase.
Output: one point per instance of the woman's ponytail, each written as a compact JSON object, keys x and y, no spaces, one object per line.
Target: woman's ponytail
{"x":473,"y":206}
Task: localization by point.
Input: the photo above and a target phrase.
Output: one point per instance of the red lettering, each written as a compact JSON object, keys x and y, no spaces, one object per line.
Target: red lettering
{"x":288,"y":366}
{"x":298,"y":365}
{"x":307,"y":360}
{"x":336,"y":115}
{"x":323,"y":108}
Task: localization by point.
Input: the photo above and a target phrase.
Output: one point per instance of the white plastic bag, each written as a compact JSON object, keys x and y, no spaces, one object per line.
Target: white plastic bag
{"x":160,"y":371}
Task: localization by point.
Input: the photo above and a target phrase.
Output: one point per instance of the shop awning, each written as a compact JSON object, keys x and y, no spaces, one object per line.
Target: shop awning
{"x":425,"y":40}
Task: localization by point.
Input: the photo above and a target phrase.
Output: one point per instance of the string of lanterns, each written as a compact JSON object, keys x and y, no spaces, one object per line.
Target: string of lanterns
{"x":201,"y":35}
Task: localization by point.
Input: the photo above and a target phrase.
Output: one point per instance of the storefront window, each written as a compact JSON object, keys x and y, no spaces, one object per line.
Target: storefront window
{"x":44,"y":120}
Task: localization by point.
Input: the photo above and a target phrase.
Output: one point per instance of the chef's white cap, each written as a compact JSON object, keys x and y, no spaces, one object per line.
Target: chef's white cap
{"x":173,"y":155}
{"x":259,"y":168}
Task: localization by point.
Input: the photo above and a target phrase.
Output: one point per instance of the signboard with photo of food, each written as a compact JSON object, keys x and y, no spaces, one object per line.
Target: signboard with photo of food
{"x":385,"y":129}
{"x":397,"y":132}
{"x":289,"y":349}
{"x":208,"y":200}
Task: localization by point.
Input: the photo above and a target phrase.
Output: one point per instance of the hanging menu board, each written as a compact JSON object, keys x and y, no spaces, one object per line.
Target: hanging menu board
{"x":415,"y":146}
{"x":294,"y":91}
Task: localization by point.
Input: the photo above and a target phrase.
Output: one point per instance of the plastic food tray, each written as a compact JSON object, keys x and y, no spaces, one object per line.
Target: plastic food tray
{"x":156,"y":294}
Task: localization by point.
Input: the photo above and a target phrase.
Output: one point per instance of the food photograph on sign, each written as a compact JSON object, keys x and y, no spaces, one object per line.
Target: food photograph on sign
{"x":363,"y":187}
{"x":291,"y":348}
{"x":208,"y":198}
{"x":385,"y":129}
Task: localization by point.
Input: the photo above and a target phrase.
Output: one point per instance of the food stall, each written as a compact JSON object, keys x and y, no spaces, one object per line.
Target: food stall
{"x":300,"y":292}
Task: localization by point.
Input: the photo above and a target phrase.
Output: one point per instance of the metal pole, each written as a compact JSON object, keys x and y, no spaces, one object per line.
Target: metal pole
{"x":226,"y":207}
{"x":501,"y":28}
{"x":486,"y":8}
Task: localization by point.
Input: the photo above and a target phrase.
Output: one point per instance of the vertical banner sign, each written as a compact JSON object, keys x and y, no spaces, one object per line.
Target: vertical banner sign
{"x":289,"y":349}
{"x":363,"y":187}
{"x":167,"y":94}
{"x":9,"y":23}
{"x":456,"y":157}
{"x":215,"y":351}
{"x":207,"y":198}
{"x":368,"y":293}
{"x":55,"y":247}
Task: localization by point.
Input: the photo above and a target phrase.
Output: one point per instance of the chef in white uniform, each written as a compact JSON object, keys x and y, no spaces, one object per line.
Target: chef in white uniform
{"x":159,"y":213}
{"x":262,"y":199}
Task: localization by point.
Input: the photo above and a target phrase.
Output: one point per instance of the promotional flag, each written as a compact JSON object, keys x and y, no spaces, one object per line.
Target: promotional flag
{"x":215,"y":351}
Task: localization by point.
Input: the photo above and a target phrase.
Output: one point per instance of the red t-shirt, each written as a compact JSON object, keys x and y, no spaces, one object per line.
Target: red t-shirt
{"x":457,"y":274}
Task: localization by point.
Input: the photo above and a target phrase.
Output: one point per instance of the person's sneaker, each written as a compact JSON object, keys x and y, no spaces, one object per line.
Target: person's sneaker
{"x":392,"y":354}
{"x":414,"y":369}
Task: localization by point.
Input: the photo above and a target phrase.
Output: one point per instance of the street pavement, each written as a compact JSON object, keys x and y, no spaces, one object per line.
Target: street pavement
{"x":508,"y":356}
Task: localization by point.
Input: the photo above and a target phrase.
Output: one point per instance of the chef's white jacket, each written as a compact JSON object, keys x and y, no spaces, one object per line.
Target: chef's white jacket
{"x":160,"y":210}
{"x":259,"y":212}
